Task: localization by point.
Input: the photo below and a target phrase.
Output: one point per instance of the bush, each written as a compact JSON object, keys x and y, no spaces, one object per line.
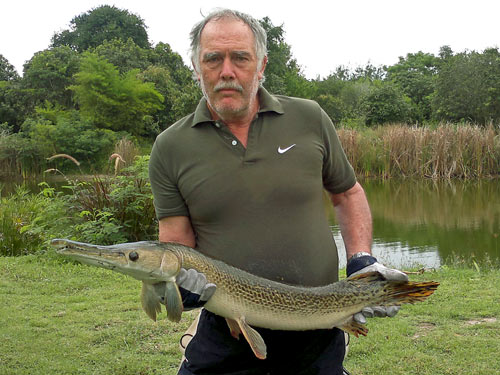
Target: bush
{"x":28,"y":221}
{"x":386,"y":104}
{"x":116,"y":209}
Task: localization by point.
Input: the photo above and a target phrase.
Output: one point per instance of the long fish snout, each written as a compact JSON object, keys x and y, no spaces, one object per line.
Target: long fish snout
{"x":101,"y":256}
{"x":145,"y":261}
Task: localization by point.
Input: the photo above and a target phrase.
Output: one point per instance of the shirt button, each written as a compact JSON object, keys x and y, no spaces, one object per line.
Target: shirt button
{"x":217,"y":124}
{"x":234,"y":143}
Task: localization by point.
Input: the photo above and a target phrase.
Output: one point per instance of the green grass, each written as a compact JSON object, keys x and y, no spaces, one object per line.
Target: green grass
{"x":65,"y":318}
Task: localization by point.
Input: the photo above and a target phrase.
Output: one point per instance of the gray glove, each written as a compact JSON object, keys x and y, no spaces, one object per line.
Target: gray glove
{"x":379,"y":311}
{"x":194,"y":288}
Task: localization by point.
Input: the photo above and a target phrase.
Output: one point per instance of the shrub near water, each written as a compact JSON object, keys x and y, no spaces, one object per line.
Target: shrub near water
{"x":28,"y":220}
{"x":104,"y":210}
{"x":448,"y":151}
{"x":116,"y":209}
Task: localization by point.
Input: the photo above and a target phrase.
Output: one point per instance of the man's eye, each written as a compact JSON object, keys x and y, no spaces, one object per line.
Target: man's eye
{"x":240,"y":58}
{"x":212,"y":59}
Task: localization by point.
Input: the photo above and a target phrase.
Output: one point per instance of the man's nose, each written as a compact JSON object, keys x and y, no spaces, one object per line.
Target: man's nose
{"x":227,"y":71}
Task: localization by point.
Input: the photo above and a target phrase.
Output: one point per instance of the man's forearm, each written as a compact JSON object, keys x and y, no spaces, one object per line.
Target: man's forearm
{"x":354,"y":219}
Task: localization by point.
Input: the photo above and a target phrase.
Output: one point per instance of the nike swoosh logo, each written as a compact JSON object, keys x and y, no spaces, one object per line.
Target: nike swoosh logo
{"x":283,"y":150}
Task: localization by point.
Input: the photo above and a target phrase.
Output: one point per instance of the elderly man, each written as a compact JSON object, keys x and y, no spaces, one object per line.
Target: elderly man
{"x":242,"y":179}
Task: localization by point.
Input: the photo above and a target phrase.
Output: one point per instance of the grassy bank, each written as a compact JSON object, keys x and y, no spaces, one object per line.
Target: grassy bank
{"x":63,"y":318}
{"x":446,"y":151}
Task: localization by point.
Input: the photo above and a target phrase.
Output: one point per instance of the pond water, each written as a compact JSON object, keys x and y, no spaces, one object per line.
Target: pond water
{"x":419,"y":222}
{"x":426,"y":223}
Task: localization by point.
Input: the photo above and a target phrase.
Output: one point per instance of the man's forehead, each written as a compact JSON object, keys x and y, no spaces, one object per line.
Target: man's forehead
{"x":227,"y":32}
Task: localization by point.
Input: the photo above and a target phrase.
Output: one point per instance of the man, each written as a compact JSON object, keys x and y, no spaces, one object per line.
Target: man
{"x":242,"y":180}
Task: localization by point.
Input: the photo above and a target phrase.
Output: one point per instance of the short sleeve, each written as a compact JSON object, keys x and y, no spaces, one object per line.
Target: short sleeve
{"x":338,"y":174}
{"x":167,"y":198}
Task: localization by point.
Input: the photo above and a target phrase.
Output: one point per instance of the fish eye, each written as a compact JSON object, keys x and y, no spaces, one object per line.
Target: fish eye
{"x":133,"y":256}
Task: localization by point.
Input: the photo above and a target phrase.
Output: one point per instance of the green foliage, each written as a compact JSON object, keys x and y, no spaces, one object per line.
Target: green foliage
{"x":333,"y":106}
{"x":16,"y":103}
{"x":163,"y":56}
{"x":468,"y":87}
{"x":283,"y":75}
{"x":386,"y":104}
{"x":56,"y":131}
{"x":28,"y":220}
{"x":49,"y":73}
{"x":103,"y":23}
{"x":7,"y":70}
{"x":103,"y":210}
{"x":104,"y":68}
{"x":415,"y":76}
{"x":19,"y":156}
{"x":116,"y":209}
{"x":179,"y":101}
{"x":125,"y":55}
{"x":114,"y":101}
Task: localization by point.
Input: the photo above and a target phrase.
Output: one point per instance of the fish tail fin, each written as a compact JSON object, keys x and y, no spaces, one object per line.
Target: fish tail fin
{"x":410,"y":292}
{"x":398,"y":292}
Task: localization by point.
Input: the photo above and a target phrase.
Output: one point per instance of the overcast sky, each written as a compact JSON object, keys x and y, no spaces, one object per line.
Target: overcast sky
{"x":323,"y":34}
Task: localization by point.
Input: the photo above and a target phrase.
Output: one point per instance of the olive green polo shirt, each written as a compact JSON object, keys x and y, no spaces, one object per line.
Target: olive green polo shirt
{"x":259,"y":208}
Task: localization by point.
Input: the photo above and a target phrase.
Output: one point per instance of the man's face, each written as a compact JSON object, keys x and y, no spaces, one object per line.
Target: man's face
{"x":228,"y":68}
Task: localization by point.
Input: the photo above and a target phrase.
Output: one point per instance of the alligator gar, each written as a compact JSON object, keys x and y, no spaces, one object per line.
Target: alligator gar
{"x":244,"y":299}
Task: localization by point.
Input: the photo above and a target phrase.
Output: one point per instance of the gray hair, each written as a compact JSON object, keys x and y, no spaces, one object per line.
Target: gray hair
{"x":259,"y":33}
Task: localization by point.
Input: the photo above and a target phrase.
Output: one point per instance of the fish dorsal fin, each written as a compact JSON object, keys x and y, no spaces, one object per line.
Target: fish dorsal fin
{"x":368,"y":277}
{"x":254,"y":338}
{"x":150,"y":301}
{"x":173,"y":301}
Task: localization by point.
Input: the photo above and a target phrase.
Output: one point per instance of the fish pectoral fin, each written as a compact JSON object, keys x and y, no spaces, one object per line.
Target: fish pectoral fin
{"x":234,"y":328}
{"x":254,"y":338}
{"x":150,"y":301}
{"x":173,"y":301}
{"x":352,"y":326}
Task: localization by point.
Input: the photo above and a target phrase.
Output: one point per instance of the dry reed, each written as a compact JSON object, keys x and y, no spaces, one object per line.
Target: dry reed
{"x":448,"y":151}
{"x":127,"y":151}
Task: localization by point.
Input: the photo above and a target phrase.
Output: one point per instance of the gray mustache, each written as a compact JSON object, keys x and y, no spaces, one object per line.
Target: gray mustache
{"x":228,"y":85}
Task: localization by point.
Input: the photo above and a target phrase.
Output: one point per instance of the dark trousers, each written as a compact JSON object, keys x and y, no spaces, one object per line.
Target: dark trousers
{"x":213,"y":351}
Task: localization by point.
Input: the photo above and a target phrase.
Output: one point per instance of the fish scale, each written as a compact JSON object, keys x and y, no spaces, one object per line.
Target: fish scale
{"x":245,"y":299}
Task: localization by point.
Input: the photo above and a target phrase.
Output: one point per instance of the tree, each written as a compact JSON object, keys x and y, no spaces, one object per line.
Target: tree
{"x":99,"y":24}
{"x":283,"y":75}
{"x":7,"y":70}
{"x":179,"y":100}
{"x":468,"y":87}
{"x":16,"y":104}
{"x":386,"y":104}
{"x":415,"y":76}
{"x":124,"y":54}
{"x":115,"y":101}
{"x":49,"y":73}
{"x":162,"y":55}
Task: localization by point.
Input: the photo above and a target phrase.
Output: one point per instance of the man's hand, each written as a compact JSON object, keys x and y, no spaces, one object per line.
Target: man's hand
{"x":370,"y":264}
{"x":194,"y":288}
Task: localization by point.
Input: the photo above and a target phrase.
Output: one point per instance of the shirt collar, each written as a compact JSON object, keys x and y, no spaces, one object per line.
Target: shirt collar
{"x":268,"y":103}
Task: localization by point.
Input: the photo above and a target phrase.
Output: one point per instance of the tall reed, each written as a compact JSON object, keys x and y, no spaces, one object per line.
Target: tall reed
{"x":448,"y":151}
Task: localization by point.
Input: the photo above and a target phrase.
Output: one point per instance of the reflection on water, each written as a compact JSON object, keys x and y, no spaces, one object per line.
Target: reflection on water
{"x":421,"y":222}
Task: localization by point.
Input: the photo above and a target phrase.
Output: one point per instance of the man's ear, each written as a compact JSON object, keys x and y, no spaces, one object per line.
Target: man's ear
{"x":262,"y":68}
{"x":195,"y":70}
